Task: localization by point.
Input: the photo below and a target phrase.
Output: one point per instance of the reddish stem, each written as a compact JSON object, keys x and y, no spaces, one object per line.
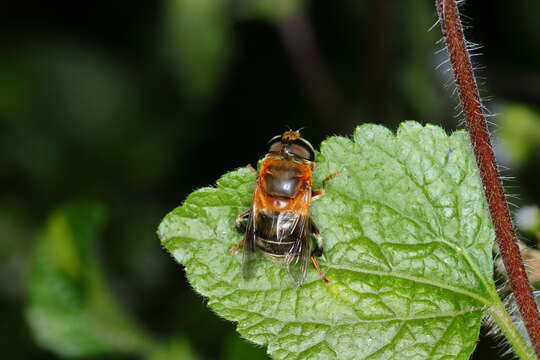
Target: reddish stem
{"x":478,"y":132}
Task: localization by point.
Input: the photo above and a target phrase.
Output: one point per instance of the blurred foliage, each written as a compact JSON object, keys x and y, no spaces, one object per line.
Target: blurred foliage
{"x":519,"y":130}
{"x":197,"y":45}
{"x":528,"y":220}
{"x":414,"y":82}
{"x":135,"y":104}
{"x":270,"y":10}
{"x":177,"y":350}
{"x":71,"y":310}
{"x":73,"y":106}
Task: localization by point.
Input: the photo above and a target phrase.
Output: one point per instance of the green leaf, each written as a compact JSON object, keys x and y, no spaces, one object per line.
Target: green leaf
{"x":70,"y":310}
{"x":408,"y":243}
{"x":197,"y":43}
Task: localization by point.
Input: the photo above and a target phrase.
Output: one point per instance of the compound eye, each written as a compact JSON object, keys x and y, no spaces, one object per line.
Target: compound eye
{"x":300,"y":151}
{"x":275,"y":147}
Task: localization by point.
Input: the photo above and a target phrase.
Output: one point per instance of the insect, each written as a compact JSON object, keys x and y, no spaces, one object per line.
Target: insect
{"x":279,"y":223}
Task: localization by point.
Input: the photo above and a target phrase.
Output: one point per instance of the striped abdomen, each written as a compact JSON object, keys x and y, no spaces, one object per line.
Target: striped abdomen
{"x":277,"y":232}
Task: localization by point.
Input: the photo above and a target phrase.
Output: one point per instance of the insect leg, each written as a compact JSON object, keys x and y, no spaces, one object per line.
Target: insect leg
{"x":321,"y":274}
{"x":329,"y":177}
{"x":241,"y":220}
{"x":317,"y":235}
{"x":237,"y":247}
{"x":319,"y":192}
{"x":316,"y":193}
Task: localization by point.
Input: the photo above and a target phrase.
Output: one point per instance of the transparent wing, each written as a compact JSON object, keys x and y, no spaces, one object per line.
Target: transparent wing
{"x":294,"y":226}
{"x":248,"y":256}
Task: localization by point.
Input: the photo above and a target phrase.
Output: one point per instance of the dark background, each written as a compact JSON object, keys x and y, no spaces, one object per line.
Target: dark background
{"x":134,"y":104}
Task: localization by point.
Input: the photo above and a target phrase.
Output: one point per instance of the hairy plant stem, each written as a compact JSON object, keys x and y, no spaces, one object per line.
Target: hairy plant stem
{"x":478,"y":132}
{"x":504,"y":322}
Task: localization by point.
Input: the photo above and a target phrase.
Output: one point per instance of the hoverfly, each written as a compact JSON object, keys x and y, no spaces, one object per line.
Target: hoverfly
{"x":279,"y":223}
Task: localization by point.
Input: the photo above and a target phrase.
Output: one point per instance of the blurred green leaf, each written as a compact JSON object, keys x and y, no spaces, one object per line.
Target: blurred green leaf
{"x":408,"y":242}
{"x":197,"y":44}
{"x":177,"y":350}
{"x":70,"y":310}
{"x":519,"y":131}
